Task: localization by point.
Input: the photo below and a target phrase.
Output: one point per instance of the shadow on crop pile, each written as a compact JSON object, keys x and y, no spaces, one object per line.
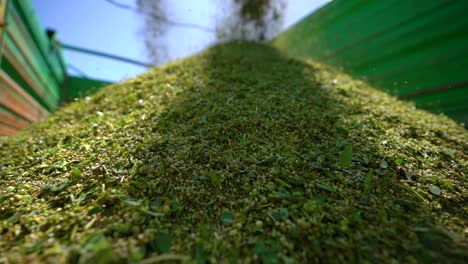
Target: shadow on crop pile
{"x":246,"y":160}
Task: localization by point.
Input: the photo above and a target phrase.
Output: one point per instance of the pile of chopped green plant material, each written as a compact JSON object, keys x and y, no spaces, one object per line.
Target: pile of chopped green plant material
{"x":238,"y":154}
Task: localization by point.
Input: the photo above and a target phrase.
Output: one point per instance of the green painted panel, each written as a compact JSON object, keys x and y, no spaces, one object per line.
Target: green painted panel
{"x":34,"y":86}
{"x":55,"y":59}
{"x":414,"y":49}
{"x":31,"y":62}
{"x":78,"y":87}
{"x":23,"y":41}
{"x":13,"y":74}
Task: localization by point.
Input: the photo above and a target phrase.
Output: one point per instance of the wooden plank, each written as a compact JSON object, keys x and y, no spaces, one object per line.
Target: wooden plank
{"x":23,"y":40}
{"x":20,"y":91}
{"x":6,"y":130}
{"x":22,"y":64}
{"x":13,"y":97}
{"x":3,"y":23}
{"x":22,"y":70}
{"x":10,"y":101}
{"x":11,"y":120}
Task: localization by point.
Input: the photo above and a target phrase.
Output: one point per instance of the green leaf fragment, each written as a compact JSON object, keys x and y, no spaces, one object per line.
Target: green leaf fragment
{"x":411,"y":190}
{"x":267,"y":161}
{"x":155,"y":214}
{"x":368,"y":182}
{"x":325,"y":187}
{"x":434,"y":190}
{"x":161,"y":167}
{"x":284,"y":213}
{"x":447,"y":152}
{"x":267,"y":254}
{"x":281,"y":215}
{"x":419,"y":229}
{"x":227,"y":218}
{"x":102,"y":249}
{"x":252,"y":174}
{"x":60,"y":186}
{"x":215,"y":178}
{"x":76,"y":173}
{"x":203,"y":119}
{"x":80,"y":198}
{"x":383,"y":164}
{"x":132,"y":202}
{"x":163,"y":242}
{"x":259,"y":247}
{"x":245,"y":209}
{"x":282,"y":195}
{"x":310,"y":206}
{"x":200,"y":254}
{"x":346,"y":156}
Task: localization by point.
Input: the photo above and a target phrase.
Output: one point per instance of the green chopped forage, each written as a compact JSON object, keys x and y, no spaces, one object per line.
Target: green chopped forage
{"x":346,"y":156}
{"x":237,"y":154}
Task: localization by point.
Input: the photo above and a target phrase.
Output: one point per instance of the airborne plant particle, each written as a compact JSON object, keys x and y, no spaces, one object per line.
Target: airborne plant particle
{"x":243,"y":154}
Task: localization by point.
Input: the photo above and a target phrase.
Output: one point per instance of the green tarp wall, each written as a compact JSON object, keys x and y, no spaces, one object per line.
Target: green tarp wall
{"x":78,"y":87}
{"x":417,"y":50}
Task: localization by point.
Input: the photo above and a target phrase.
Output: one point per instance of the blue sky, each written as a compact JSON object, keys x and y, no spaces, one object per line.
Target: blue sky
{"x":97,"y":25}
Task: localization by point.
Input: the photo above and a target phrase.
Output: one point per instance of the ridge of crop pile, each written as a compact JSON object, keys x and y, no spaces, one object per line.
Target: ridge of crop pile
{"x":241,"y":154}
